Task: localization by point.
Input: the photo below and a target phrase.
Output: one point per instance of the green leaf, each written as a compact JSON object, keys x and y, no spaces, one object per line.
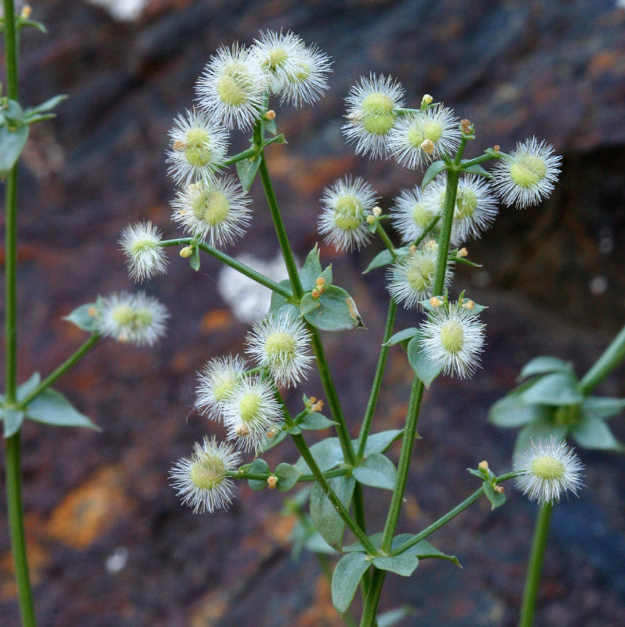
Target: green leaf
{"x":544,"y":365}
{"x":511,"y":411}
{"x":287,"y":476}
{"x":425,"y":369}
{"x":52,"y":408}
{"x":539,"y":430}
{"x":554,"y":389}
{"x":376,"y":471}
{"x":345,"y":579}
{"x":325,"y":517}
{"x":436,"y":168}
{"x":404,"y":564}
{"x":194,"y":259}
{"x":478,"y":169}
{"x":270,"y":126}
{"x":315,"y":421}
{"x":11,"y":145}
{"x":598,"y":407}
{"x":246,"y":171}
{"x":327,"y":454}
{"x":326,"y":275}
{"x":406,"y":334}
{"x":13,"y":419}
{"x":48,"y":105}
{"x":308,"y":304}
{"x":13,"y":113}
{"x":259,"y":466}
{"x":294,"y":430}
{"x":380,"y":260}
{"x":28,"y":386}
{"x":392,"y":617}
{"x":593,"y":433}
{"x":496,"y":499}
{"x":274,"y":441}
{"x":278,"y":139}
{"x":382,"y":441}
{"x":311,"y":270}
{"x":85,"y":317}
{"x":280,"y":304}
{"x":316,"y":544}
{"x":424,"y":550}
{"x":337,"y":311}
{"x":34,"y":24}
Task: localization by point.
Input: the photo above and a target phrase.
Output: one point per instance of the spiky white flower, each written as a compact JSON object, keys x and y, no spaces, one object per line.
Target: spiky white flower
{"x":216,"y":382}
{"x":411,"y":277}
{"x":279,"y":56}
{"x":476,"y":207}
{"x":453,"y":338}
{"x":372,"y":107}
{"x":144,"y":255}
{"x":308,"y":81}
{"x":281,"y":345}
{"x":232,"y":86}
{"x":135,"y":318}
{"x":198,"y":148}
{"x":202,"y":480}
{"x":411,"y":216}
{"x":550,"y":468}
{"x":526,"y":175}
{"x":217,"y":211}
{"x":420,"y":138}
{"x":250,"y":412}
{"x":347,"y":203}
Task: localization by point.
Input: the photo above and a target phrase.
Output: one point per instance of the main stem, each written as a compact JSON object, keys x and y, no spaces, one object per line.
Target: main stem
{"x":611,"y":358}
{"x":12,"y":455}
{"x":532,"y":583}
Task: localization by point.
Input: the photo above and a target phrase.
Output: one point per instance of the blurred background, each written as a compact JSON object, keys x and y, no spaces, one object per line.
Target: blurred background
{"x":110,"y":544}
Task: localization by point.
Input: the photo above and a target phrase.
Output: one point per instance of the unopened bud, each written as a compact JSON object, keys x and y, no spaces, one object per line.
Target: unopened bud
{"x":180,"y":146}
{"x":469,"y":305}
{"x":272,"y":482}
{"x":271,"y":433}
{"x":412,"y":248}
{"x":313,"y":399}
{"x":466,"y":127}
{"x":318,"y":406}
{"x":427,"y":99}
{"x":427,"y":146}
{"x":315,"y":293}
{"x":370,"y":219}
{"x":242,"y":430}
{"x":187,"y":251}
{"x":483,"y":466}
{"x":499,"y":489}
{"x":435,"y":301}
{"x":320,"y":282}
{"x":376,"y":211}
{"x":26,"y":11}
{"x":463,"y":252}
{"x":496,"y":147}
{"x":270,"y":115}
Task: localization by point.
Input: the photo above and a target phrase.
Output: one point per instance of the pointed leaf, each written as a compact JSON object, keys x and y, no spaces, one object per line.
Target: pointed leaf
{"x":496,"y":499}
{"x":28,"y":386}
{"x":382,"y":441}
{"x":280,"y":304}
{"x":376,"y":471}
{"x":11,"y":145}
{"x":85,"y":317}
{"x":326,"y":519}
{"x":425,"y":369}
{"x":48,"y":105}
{"x":259,"y":466}
{"x":597,"y":407}
{"x":316,"y":544}
{"x":13,"y":419}
{"x":392,"y":617}
{"x":327,"y":454}
{"x":404,"y":564}
{"x":246,"y":170}
{"x":554,"y":389}
{"x":274,"y":441}
{"x":593,"y":433}
{"x":337,"y":311}
{"x":52,"y":408}
{"x":194,"y":259}
{"x":544,"y":365}
{"x":511,"y":411}
{"x":311,"y":270}
{"x":478,"y":169}
{"x":308,"y":304}
{"x":345,"y":579}
{"x":406,"y":334}
{"x":287,"y":476}
{"x":424,"y":550}
{"x":315,"y":421}
{"x":326,"y":275}
{"x":436,"y":168}
{"x":270,"y":126}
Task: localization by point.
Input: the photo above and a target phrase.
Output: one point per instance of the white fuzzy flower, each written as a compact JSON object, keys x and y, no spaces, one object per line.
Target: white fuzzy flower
{"x":232,"y":87}
{"x":371,"y":114}
{"x":141,"y":244}
{"x":452,"y":338}
{"x":411,"y":215}
{"x":411,"y":277}
{"x":135,"y":318}
{"x":281,"y":345}
{"x":476,"y":207}
{"x":550,"y":468}
{"x":201,"y":480}
{"x":216,"y":383}
{"x":347,"y":203}
{"x":279,"y":57}
{"x":420,"y":138}
{"x":250,"y":412}
{"x":306,"y":84}
{"x":527,"y":175}
{"x":198,"y":148}
{"x":217,"y":211}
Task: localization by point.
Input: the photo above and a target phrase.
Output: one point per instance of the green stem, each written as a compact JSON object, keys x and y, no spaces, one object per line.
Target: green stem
{"x":481,"y":159}
{"x":60,"y":371}
{"x":246,"y":154}
{"x":611,"y":358}
{"x":386,"y":239}
{"x":370,"y":609}
{"x":427,"y":230}
{"x":532,"y":583}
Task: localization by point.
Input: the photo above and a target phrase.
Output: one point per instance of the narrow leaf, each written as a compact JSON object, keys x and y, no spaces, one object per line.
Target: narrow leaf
{"x":392,"y":617}
{"x":246,"y":170}
{"x":270,"y":126}
{"x":48,"y":105}
{"x":52,"y":408}
{"x":406,"y":334}
{"x":436,"y":168}
{"x":376,"y":471}
{"x":311,"y":270}
{"x":194,"y":259}
{"x":478,"y":169}
{"x":345,"y":579}
{"x":424,"y":550}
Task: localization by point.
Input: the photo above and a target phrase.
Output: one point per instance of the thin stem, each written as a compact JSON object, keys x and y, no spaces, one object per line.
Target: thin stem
{"x":60,"y":371}
{"x":386,"y":239}
{"x":427,"y":230}
{"x":481,"y":159}
{"x":370,"y":609}
{"x":611,"y":358}
{"x":532,"y":583}
{"x":246,"y":154}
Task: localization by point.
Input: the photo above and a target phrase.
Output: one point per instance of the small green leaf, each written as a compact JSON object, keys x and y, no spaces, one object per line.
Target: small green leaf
{"x":13,"y":113}
{"x":376,"y":471}
{"x":274,"y":441}
{"x":279,"y":304}
{"x":511,"y":411}
{"x":13,"y":419}
{"x":259,"y":466}
{"x":34,"y":24}
{"x":392,"y":617}
{"x":597,"y":407}
{"x":270,"y":126}
{"x":327,"y":454}
{"x":294,"y":430}
{"x":539,"y":430}
{"x":28,"y":386}
{"x":11,"y":145}
{"x":246,"y":170}
{"x":308,"y":304}
{"x":52,"y":408}
{"x":593,"y":433}
{"x":406,"y":334}
{"x":315,"y":421}
{"x":337,"y":311}
{"x":554,"y":389}
{"x":287,"y":476}
{"x":48,"y":105}
{"x":325,"y":517}
{"x":194,"y":259}
{"x":326,"y":275}
{"x":85,"y":317}
{"x":316,"y":544}
{"x":404,"y":564}
{"x":380,"y":260}
{"x":345,"y":579}
{"x":478,"y":169}
{"x":278,"y":139}
{"x":424,"y":550}
{"x":382,"y":441}
{"x":311,"y":270}
{"x":436,"y":168}
{"x":544,"y":365}
{"x":425,"y":369}
{"x":496,"y":499}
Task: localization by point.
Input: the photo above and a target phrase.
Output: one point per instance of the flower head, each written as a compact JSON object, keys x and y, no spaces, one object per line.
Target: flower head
{"x":141,"y":244}
{"x":281,"y":345}
{"x":411,"y":215}
{"x":309,"y":80}
{"x":201,"y":480}
{"x":452,"y":337}
{"x":527,"y":175}
{"x":198,"y":148}
{"x":232,"y":87}
{"x":135,"y":318}
{"x":372,"y":113}
{"x":549,"y":469}
{"x":250,"y":412}
{"x":347,"y":203}
{"x":420,"y":138}
{"x":216,"y":383}
{"x":217,"y":211}
{"x":475,"y":210}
